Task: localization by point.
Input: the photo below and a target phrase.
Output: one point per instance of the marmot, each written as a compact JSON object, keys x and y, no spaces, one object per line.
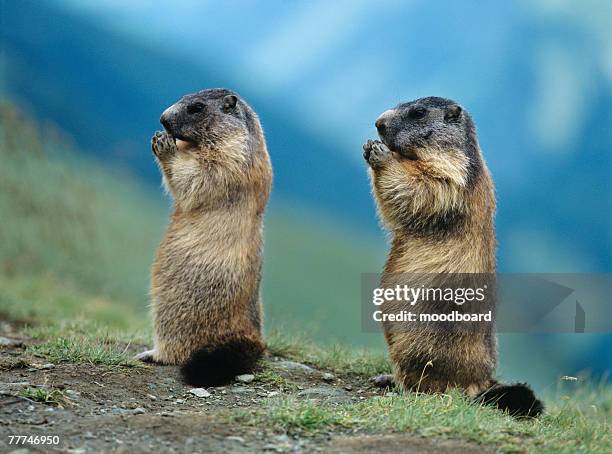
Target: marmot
{"x":436,"y":196}
{"x":206,"y":276}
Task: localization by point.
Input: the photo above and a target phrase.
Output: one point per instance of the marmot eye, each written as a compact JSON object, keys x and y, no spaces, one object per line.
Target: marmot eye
{"x":229,"y":102}
{"x":195,"y":108}
{"x":419,"y":112}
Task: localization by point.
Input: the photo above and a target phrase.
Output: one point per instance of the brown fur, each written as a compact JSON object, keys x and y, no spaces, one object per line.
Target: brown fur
{"x":441,"y":221}
{"x":207,"y":271}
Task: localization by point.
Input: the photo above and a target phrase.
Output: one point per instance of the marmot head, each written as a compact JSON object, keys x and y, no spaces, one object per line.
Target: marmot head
{"x":437,"y":131}
{"x":211,"y":120}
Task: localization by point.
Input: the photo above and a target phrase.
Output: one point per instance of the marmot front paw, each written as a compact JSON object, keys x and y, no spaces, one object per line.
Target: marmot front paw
{"x":375,"y":153}
{"x":162,"y":144}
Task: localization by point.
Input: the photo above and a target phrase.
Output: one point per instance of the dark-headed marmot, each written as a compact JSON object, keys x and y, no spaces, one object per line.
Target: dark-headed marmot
{"x":205,"y":280}
{"x":435,"y":195}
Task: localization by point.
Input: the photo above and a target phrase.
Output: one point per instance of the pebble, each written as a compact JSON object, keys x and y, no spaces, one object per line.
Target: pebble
{"x":241,"y":390}
{"x":235,"y":438}
{"x":6,"y":342}
{"x":138,"y":411}
{"x":245,"y":378}
{"x":199,"y":392}
{"x":328,"y":377}
{"x":322,"y":391}
{"x":292,"y":366}
{"x":383,"y":381}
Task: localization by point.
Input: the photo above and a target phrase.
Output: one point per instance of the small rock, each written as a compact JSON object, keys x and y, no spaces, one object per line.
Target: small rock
{"x":245,"y":378}
{"x":235,"y":438}
{"x":72,"y":393}
{"x":199,"y":392}
{"x":328,"y":377}
{"x":383,"y":381}
{"x":348,"y":387}
{"x":5,"y":387}
{"x":47,"y":366}
{"x":152,"y":397}
{"x":241,"y":390}
{"x":273,"y":393}
{"x":138,"y":411}
{"x":324,"y":392}
{"x":271,"y":447}
{"x":179,"y":401}
{"x":391,"y":394}
{"x":283,"y":438}
{"x":292,"y":366}
{"x":13,"y":343}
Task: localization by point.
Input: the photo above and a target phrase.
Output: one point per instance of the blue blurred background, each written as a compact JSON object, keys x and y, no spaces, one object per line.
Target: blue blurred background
{"x":536,"y":76}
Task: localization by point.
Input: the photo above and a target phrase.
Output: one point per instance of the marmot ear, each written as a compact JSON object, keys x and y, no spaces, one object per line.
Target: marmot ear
{"x":229,"y":102}
{"x":452,"y":113}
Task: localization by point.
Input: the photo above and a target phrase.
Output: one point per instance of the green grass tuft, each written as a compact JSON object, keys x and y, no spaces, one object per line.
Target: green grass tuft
{"x":81,"y":349}
{"x":53,"y":397}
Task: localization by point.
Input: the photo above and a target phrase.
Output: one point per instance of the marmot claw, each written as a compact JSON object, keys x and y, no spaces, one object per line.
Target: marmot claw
{"x":375,"y":152}
{"x":162,"y":144}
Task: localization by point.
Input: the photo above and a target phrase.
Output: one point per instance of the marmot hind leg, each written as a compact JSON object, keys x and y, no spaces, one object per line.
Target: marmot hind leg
{"x":148,"y":356}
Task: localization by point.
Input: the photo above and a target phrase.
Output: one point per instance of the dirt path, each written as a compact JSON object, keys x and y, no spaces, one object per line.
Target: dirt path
{"x":148,"y":409}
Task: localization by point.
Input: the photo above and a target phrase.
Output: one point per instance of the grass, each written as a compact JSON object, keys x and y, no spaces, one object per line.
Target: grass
{"x":563,"y":429}
{"x":75,"y":349}
{"x":271,"y":377}
{"x":70,"y":325}
{"x":337,"y":358}
{"x":53,"y":397}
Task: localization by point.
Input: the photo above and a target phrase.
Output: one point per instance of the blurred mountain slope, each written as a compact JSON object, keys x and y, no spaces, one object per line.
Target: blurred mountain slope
{"x":67,"y":221}
{"x":536,"y":76}
{"x":108,"y":93}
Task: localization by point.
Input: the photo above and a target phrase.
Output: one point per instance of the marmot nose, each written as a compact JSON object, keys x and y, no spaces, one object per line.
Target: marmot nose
{"x":168,"y":117}
{"x":380,"y":124}
{"x":165,"y":122}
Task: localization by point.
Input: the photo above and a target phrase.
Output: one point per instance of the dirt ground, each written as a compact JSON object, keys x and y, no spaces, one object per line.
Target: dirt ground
{"x":148,"y":409}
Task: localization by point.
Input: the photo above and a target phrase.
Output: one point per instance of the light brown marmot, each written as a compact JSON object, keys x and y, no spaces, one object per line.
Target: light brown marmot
{"x":205,"y":281}
{"x":436,"y":196}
